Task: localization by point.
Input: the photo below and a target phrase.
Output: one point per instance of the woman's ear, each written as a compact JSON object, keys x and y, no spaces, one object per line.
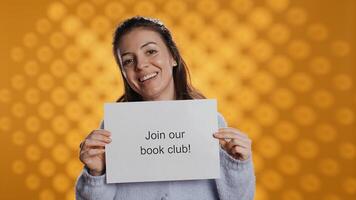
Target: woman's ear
{"x":174,"y":63}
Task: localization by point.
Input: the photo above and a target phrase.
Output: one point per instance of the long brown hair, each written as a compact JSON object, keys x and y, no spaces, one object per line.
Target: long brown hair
{"x":181,"y":77}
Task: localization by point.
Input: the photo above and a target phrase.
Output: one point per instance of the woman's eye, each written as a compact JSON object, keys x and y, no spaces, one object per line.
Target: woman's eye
{"x":128,"y":61}
{"x":152,"y":51}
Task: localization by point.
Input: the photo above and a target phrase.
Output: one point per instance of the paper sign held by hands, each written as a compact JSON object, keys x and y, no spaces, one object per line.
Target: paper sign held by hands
{"x":161,"y":141}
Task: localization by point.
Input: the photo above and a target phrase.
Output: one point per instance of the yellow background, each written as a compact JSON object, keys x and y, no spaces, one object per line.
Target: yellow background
{"x":283,"y":71}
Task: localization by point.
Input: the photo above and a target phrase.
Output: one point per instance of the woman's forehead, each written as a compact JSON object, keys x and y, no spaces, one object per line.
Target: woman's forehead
{"x":140,"y":36}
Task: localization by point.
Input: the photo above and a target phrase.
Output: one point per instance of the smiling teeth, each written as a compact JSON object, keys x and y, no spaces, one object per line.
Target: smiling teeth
{"x":148,"y":76}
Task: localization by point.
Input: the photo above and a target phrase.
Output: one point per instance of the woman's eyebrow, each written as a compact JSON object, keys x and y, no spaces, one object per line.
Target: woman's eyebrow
{"x":124,"y":54}
{"x":147,"y":44}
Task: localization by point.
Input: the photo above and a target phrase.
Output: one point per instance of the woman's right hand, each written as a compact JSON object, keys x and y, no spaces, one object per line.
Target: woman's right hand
{"x":92,"y":151}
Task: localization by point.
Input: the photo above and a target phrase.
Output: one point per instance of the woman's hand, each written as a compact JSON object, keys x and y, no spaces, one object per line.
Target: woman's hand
{"x":92,"y":151}
{"x":237,"y":144}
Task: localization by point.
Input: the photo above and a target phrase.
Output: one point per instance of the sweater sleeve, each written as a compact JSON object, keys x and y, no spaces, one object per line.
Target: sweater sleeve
{"x":90,"y":187}
{"x":237,"y":178}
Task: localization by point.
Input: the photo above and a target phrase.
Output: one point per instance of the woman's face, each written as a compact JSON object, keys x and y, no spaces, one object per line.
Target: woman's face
{"x":148,"y":64}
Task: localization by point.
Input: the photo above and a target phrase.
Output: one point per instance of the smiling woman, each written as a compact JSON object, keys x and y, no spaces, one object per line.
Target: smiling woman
{"x":153,"y":70}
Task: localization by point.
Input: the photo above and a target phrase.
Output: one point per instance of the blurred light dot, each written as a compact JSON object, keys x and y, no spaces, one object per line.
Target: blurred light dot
{"x":250,"y":127}
{"x":18,"y":82}
{"x":43,"y":26}
{"x":47,"y":168}
{"x":340,"y":48}
{"x":145,"y":7}
{"x":18,"y":167}
{"x":342,"y":82}
{"x":33,"y":152}
{"x":268,"y":147}
{"x":86,"y":39}
{"x":32,"y":124}
{"x":57,"y":40}
{"x":46,"y":110}
{"x":347,"y":150}
{"x":85,"y":10}
{"x":225,"y":19}
{"x":325,"y":132}
{"x":307,"y":148}
{"x":261,"y":50}
{"x":61,"y":183}
{"x":263,"y":82}
{"x":265,"y":114}
{"x":349,"y":185}
{"x":301,"y":82}
{"x":310,"y":183}
{"x":241,"y":6}
{"x":31,"y":68}
{"x":73,"y":168}
{"x":280,"y":66}
{"x":18,"y":109}
{"x":323,"y":98}
{"x":113,"y":9}
{"x":5,"y":123}
{"x":304,"y":115}
{"x":5,"y":95}
{"x":73,"y":139}
{"x":286,"y":131}
{"x":71,"y":25}
{"x":317,"y":32}
{"x":46,"y":139}
{"x":47,"y":194}
{"x":278,"y":33}
{"x":245,"y":67}
{"x":60,"y":153}
{"x":298,"y":49}
{"x":331,"y":197}
{"x":60,"y":124}
{"x":288,"y":164}
{"x":59,"y":68}
{"x":247,"y":98}
{"x":74,"y":110}
{"x":328,"y":167}
{"x":260,"y":17}
{"x":278,"y":5}
{"x":73,"y":82}
{"x":70,"y":194}
{"x":296,"y":16}
{"x":272,"y":180}
{"x":244,"y":35}
{"x":45,"y":82}
{"x":292,"y":194}
{"x":17,"y":54}
{"x":345,"y":116}
{"x":72,"y":54}
{"x":30,"y":39}
{"x":59,"y":96}
{"x":261,"y":193}
{"x":19,"y":138}
{"x":56,"y":11}
{"x":283,"y":98}
{"x":100,"y":24}
{"x":258,"y":162}
{"x":32,"y":95}
{"x":320,"y":65}
{"x":32,"y":182}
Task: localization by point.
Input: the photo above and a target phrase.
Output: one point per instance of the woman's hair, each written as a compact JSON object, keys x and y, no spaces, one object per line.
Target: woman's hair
{"x":182,"y":82}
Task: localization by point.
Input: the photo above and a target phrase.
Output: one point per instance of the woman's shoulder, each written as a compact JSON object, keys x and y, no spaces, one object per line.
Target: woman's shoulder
{"x":221,"y":121}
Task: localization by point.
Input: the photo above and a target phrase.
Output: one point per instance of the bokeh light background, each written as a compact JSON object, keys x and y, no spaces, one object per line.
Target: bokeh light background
{"x":283,"y":71}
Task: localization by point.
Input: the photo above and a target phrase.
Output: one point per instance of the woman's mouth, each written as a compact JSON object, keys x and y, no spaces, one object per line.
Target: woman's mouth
{"x":147,"y":77}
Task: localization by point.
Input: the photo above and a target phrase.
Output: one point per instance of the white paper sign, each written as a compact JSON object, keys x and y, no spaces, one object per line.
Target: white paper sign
{"x":161,"y":141}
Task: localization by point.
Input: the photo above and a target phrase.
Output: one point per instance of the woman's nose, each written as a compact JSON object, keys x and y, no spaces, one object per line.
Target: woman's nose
{"x":142,"y":62}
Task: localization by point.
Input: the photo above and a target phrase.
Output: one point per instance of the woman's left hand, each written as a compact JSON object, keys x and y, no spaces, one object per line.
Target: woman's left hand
{"x":237,"y":144}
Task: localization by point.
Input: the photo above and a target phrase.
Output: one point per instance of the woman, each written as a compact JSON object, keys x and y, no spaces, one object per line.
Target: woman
{"x":153,"y":70}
